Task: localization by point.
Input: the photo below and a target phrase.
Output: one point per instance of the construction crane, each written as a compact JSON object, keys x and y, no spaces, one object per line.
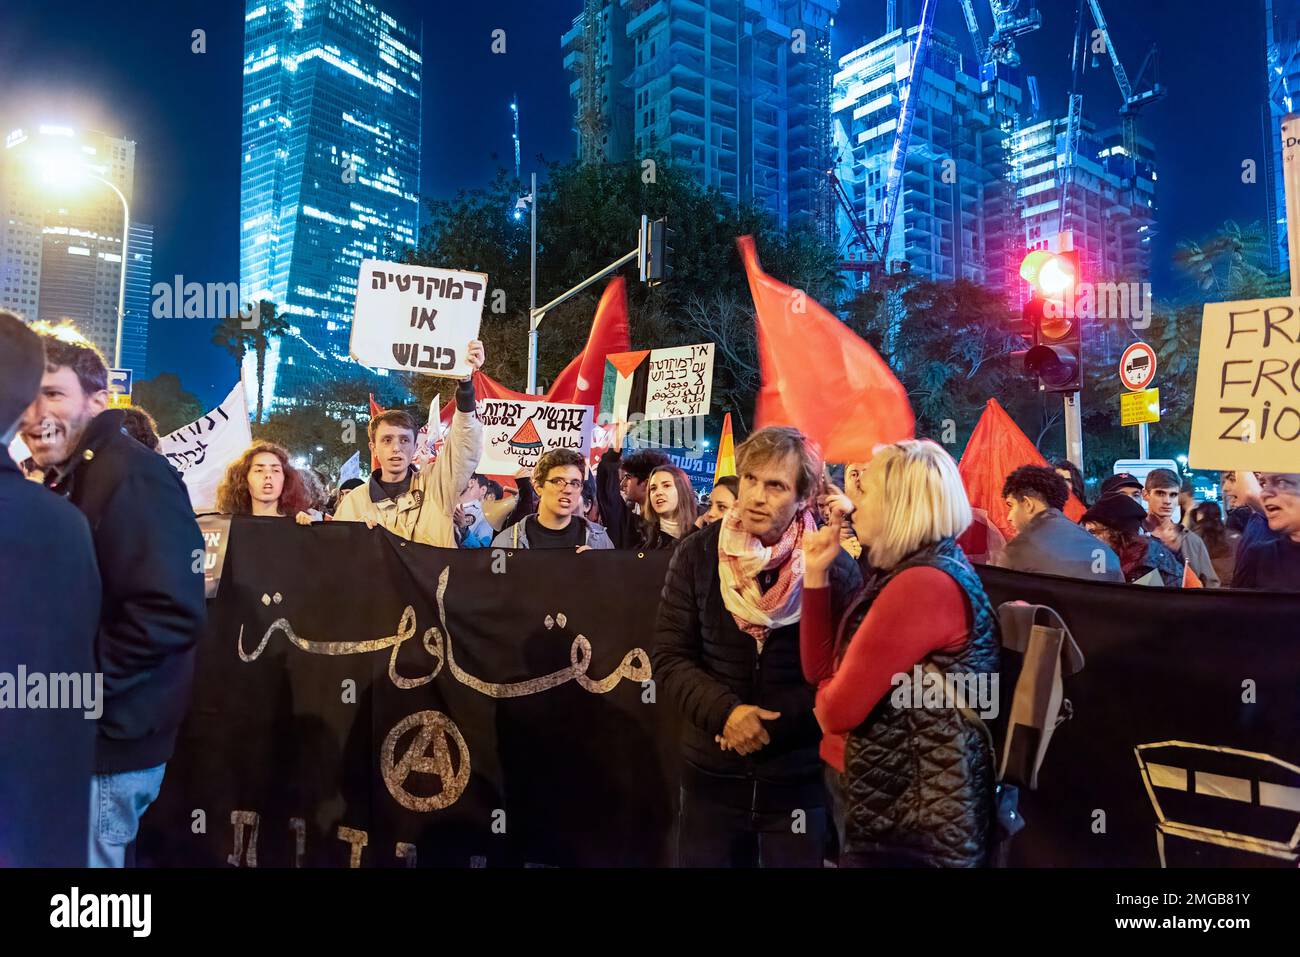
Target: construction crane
{"x":906,"y":114}
{"x":870,"y":260}
{"x":1133,"y":102}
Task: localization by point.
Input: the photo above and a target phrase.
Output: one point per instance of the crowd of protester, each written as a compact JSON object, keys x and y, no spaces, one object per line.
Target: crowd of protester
{"x":778,"y":716}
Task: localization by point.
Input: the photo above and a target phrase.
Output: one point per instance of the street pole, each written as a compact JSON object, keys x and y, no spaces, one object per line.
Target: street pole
{"x":533,"y":320}
{"x":1073,"y":403}
{"x":121,"y":279}
{"x":1291,"y":193}
{"x":1143,"y":441}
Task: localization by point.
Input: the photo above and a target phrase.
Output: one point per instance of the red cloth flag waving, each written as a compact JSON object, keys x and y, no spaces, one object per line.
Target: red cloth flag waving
{"x":997,"y":448}
{"x":818,"y":376}
{"x":581,"y":381}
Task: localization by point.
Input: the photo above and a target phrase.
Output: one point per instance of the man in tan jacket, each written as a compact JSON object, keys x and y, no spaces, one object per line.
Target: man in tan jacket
{"x":417,"y":504}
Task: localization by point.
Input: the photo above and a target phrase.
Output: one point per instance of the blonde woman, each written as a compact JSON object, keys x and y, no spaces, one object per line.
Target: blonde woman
{"x":915,"y":785}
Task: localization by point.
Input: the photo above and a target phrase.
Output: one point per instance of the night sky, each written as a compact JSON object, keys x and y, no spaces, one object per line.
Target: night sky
{"x":127,"y":69}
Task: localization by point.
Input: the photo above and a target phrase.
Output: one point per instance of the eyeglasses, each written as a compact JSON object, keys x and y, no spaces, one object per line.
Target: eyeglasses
{"x":1281,"y":484}
{"x":559,"y":483}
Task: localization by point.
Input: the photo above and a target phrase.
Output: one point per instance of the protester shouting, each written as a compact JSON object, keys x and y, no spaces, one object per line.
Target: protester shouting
{"x":897,"y":809}
{"x":473,"y":530}
{"x":1246,"y":515}
{"x":721,"y":499}
{"x":418,"y":504}
{"x":726,"y":655}
{"x":1161,"y":492}
{"x":1047,"y":541}
{"x":669,"y":508}
{"x":263,"y":482}
{"x":50,"y":598}
{"x":1274,"y":563}
{"x":152,"y":607}
{"x":1116,"y":519}
{"x":621,"y":485}
{"x":557,"y":480}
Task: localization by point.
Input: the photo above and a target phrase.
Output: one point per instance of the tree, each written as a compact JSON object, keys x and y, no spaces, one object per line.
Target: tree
{"x":238,"y":335}
{"x":1231,"y":264}
{"x":169,"y":404}
{"x":589,"y":215}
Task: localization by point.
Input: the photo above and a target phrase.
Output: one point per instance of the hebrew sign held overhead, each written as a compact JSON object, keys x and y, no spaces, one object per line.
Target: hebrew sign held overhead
{"x":201,"y":450}
{"x":415,"y":318}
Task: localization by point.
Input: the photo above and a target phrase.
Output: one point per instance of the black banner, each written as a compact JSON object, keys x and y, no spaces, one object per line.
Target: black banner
{"x":363,"y":701}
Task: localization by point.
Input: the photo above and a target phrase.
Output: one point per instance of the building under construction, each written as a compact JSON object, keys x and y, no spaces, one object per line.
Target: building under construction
{"x":736,"y":91}
{"x":954,"y":217}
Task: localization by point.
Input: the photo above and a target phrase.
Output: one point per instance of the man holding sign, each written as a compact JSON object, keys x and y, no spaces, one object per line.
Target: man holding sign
{"x":412,"y":504}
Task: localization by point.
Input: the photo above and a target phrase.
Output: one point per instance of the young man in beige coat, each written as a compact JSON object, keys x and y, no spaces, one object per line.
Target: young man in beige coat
{"x":417,"y":504}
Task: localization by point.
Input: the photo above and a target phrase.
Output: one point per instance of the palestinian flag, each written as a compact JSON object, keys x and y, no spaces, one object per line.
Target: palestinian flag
{"x":526,"y":441}
{"x":627,"y":383}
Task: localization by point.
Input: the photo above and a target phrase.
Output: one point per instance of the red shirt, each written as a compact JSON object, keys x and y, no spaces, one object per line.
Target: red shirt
{"x":921,"y":610}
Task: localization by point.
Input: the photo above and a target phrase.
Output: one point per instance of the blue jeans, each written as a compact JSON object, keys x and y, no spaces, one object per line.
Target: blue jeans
{"x":117,"y":802}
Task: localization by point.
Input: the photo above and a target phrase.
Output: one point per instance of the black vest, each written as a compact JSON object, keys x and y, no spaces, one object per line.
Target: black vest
{"x":918,"y":782}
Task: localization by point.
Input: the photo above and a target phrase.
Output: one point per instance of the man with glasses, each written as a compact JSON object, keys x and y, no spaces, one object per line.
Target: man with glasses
{"x":1274,"y":565}
{"x":558,"y":481}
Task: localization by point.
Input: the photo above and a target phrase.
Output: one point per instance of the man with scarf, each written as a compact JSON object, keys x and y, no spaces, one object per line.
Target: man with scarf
{"x":726,"y":655}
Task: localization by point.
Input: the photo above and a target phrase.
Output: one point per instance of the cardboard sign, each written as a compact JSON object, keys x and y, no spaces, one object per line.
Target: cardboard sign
{"x":1138,"y":407}
{"x":517,"y":434}
{"x":216,"y":538}
{"x":201,"y":450}
{"x":658,"y":383}
{"x":1247,"y":412}
{"x":415,"y":318}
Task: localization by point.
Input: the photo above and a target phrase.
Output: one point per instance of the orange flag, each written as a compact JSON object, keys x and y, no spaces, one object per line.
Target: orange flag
{"x":1190,"y":578}
{"x":818,"y":376}
{"x":997,"y":448}
{"x":726,"y":452}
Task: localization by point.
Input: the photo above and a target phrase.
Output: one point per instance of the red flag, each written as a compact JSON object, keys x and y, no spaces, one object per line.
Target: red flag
{"x":581,"y":381}
{"x":1190,"y":578}
{"x":997,"y":448}
{"x":374,"y":411}
{"x":818,"y":376}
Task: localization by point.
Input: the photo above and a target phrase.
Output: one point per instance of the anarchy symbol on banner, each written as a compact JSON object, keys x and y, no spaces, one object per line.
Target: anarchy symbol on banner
{"x":435,"y":729}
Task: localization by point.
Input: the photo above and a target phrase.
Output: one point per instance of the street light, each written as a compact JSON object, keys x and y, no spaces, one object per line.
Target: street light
{"x":63,"y":170}
{"x":529,"y":202}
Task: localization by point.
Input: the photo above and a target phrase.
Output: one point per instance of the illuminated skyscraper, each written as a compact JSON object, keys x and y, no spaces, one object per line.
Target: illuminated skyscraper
{"x":330,"y":171}
{"x":61,"y":237}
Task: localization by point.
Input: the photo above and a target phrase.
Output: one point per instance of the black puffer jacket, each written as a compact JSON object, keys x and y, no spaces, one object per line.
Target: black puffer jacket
{"x":918,"y":782}
{"x":706,"y":666}
{"x":150,"y":555}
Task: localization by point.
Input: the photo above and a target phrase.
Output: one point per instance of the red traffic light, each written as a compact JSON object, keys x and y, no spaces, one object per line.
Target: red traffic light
{"x":1051,"y":274}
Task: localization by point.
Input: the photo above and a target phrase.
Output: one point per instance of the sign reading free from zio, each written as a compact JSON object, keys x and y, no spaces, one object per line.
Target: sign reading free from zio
{"x":1247,"y":412}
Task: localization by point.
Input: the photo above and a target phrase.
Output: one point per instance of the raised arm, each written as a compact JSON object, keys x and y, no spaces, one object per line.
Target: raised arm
{"x":463,"y":446}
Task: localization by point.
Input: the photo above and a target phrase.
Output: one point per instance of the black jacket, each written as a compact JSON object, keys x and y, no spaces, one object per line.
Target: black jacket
{"x":49,"y":605}
{"x":706,"y":666}
{"x":150,"y":554}
{"x":621,"y":521}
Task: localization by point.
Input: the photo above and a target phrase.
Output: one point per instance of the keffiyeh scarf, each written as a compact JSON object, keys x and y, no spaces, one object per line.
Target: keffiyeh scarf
{"x":741,"y":557}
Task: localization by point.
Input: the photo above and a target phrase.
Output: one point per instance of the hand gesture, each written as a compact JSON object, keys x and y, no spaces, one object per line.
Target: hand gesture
{"x":819,"y":550}
{"x":474,"y":355}
{"x":302,"y":518}
{"x":744,"y":732}
{"x":835,"y":501}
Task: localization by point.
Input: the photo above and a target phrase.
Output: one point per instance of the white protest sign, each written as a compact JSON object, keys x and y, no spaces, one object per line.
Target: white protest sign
{"x":1247,"y":411}
{"x":18,"y":450}
{"x":201,"y":450}
{"x":659,"y":383}
{"x":517,"y":434}
{"x":416,"y":318}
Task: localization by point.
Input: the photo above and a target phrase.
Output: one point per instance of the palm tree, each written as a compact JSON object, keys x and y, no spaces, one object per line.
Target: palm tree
{"x":1231,"y":264}
{"x":239,"y":334}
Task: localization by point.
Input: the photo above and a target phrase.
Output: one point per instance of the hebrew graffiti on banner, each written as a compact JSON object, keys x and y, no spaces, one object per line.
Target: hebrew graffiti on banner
{"x":415,"y":318}
{"x":201,"y":450}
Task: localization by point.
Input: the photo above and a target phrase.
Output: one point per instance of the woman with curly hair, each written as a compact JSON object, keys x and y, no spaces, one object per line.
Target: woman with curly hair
{"x":262,"y":482}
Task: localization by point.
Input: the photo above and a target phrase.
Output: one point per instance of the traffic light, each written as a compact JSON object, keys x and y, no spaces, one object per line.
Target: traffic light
{"x":656,"y":252}
{"x":1056,"y":356}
